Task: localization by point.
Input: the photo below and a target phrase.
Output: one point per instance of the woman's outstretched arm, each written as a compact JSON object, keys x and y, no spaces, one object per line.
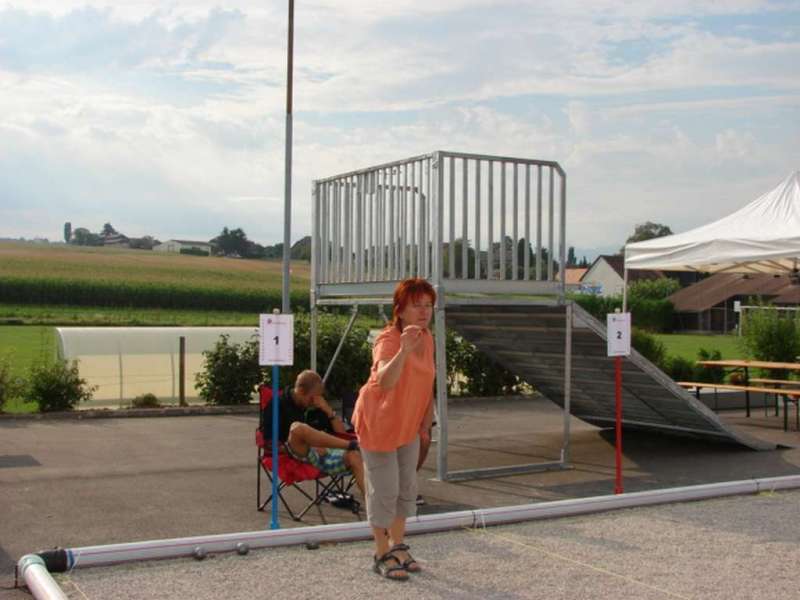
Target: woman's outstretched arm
{"x":389,"y":371}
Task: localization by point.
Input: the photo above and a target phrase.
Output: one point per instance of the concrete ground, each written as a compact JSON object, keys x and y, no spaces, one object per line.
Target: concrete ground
{"x":99,"y":481}
{"x":745,"y":547}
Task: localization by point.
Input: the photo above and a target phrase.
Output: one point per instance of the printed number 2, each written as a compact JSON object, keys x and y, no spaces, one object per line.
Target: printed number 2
{"x":276,"y":340}
{"x":619,"y":336}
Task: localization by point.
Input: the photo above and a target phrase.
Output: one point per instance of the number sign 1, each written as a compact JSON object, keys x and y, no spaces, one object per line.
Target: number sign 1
{"x":619,"y":334}
{"x":276,"y":340}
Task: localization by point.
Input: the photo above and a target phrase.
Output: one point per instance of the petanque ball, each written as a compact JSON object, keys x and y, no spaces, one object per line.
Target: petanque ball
{"x":199,"y":553}
{"x":242,"y":548}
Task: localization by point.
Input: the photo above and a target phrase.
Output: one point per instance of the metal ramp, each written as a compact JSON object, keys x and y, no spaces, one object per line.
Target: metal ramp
{"x":528,"y":339}
{"x":486,"y":231}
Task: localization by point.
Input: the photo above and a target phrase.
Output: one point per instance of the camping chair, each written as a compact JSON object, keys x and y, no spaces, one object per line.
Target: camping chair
{"x":292,"y":472}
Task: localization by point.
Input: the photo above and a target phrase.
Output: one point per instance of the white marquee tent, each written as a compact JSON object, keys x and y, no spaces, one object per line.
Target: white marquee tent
{"x":762,"y":237}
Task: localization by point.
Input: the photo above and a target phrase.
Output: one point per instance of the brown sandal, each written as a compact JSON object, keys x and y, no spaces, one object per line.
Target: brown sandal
{"x":409,"y":564}
{"x":384,"y":569}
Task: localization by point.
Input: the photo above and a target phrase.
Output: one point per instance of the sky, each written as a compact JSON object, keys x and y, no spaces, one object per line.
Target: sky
{"x":166,"y":118}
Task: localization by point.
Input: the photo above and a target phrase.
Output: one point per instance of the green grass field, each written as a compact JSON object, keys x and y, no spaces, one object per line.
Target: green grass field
{"x":98,"y":316}
{"x":26,"y":330}
{"x":23,"y":347}
{"x":687,"y":346}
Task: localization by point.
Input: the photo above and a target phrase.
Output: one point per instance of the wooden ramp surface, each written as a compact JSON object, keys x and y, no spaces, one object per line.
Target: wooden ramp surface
{"x":529,"y":340}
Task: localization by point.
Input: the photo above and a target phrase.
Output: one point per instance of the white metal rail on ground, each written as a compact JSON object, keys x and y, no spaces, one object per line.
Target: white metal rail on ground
{"x":34,"y":569}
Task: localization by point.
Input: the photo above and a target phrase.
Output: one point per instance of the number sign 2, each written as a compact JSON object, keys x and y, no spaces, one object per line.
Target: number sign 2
{"x":619,"y":334}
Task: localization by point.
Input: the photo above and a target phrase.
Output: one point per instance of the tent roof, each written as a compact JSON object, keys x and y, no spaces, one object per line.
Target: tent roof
{"x":762,"y":237}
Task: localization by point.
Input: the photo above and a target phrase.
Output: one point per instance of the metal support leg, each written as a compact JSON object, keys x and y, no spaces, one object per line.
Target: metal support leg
{"x":785,"y":413}
{"x":441,"y":390}
{"x":341,"y":343}
{"x":747,"y":392}
{"x":567,"y":383}
{"x":313,"y":325}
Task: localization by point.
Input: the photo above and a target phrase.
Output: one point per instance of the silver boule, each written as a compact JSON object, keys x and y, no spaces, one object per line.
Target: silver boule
{"x":242,"y":548}
{"x":199,"y":553}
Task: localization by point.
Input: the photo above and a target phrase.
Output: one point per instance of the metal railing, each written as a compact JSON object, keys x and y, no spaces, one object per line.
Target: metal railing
{"x":473,"y":223}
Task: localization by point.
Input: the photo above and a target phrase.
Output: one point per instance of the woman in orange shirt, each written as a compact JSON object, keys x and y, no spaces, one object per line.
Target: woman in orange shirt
{"x":395,"y":408}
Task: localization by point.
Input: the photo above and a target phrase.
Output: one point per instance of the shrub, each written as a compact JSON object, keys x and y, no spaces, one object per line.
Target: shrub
{"x":10,"y":387}
{"x":680,"y":368}
{"x":474,"y":373}
{"x":146,"y":401}
{"x":648,"y":346}
{"x":653,"y":289}
{"x":351,"y":370}
{"x":597,"y":306}
{"x":653,"y":315}
{"x":646,"y":313}
{"x":770,"y":336}
{"x":58,"y":386}
{"x":709,"y":374}
{"x":230,"y":372}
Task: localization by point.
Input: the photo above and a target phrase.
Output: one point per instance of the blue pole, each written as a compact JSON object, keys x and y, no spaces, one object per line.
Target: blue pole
{"x":275,"y":400}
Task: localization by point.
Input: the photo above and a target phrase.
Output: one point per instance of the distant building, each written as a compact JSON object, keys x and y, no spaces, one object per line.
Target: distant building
{"x":177,"y":245}
{"x":708,"y":305}
{"x":117,"y":240}
{"x":605,"y":276}
{"x":574,"y":275}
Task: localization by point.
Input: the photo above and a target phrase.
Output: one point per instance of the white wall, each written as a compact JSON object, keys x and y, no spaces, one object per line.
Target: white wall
{"x":601,"y":274}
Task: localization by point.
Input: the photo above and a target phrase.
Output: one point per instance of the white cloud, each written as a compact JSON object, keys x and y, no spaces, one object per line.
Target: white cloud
{"x":158,"y":116}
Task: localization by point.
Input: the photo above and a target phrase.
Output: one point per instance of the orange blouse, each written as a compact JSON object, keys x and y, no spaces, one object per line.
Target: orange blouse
{"x":388,"y":419}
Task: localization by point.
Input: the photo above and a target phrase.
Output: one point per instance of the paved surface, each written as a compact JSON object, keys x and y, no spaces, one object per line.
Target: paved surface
{"x":743,"y":547}
{"x":76,"y":483}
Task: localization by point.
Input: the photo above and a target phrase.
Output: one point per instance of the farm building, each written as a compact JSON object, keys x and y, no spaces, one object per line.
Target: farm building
{"x":605,"y":276}
{"x":178,"y":245}
{"x":708,"y":305}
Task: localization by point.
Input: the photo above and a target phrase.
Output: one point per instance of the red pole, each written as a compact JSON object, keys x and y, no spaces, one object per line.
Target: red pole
{"x":618,"y":378}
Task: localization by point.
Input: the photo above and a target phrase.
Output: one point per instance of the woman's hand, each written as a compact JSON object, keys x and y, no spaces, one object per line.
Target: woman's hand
{"x":410,"y":338}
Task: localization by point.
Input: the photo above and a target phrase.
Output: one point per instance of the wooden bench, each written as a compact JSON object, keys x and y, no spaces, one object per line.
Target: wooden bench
{"x":774,"y":381}
{"x":787,"y":395}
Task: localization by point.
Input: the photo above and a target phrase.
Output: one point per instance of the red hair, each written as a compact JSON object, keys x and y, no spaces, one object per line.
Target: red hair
{"x":407,"y":291}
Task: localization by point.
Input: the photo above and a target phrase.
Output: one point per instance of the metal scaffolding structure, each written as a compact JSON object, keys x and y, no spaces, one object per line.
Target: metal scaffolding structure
{"x":482,"y":229}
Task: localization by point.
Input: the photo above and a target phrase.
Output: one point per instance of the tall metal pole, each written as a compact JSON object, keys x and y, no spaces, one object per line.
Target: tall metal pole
{"x":287,"y":206}
{"x":618,"y":425}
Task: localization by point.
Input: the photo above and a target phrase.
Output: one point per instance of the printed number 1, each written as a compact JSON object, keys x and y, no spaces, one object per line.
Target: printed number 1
{"x":276,"y":340}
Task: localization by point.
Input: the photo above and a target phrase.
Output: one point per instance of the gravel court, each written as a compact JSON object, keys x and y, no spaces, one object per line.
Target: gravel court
{"x":737,"y":547}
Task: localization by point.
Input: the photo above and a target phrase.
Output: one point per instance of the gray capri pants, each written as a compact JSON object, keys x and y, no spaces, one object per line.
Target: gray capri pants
{"x":391,"y":484}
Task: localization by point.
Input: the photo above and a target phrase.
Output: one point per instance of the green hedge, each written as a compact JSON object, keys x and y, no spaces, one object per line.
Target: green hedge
{"x":141,"y":295}
{"x":231,"y":373}
{"x":646,"y":313}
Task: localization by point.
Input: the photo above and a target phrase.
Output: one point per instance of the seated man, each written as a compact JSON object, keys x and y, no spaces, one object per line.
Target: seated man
{"x":306,"y":422}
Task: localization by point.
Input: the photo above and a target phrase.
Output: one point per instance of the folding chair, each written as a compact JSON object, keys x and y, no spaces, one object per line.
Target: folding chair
{"x":292,"y":472}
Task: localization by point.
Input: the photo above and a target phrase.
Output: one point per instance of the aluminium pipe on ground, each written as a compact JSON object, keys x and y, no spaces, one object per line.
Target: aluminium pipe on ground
{"x":35,"y":567}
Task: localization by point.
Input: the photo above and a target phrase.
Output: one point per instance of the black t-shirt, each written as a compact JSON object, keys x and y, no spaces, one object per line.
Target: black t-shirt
{"x":289,"y":412}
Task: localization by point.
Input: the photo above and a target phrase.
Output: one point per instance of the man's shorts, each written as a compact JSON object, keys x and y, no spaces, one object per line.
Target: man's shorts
{"x":332,"y":463}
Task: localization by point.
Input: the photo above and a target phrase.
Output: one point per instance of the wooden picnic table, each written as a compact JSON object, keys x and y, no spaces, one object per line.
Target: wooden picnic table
{"x":789,"y":395}
{"x":745,"y":366}
{"x":750,"y":364}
